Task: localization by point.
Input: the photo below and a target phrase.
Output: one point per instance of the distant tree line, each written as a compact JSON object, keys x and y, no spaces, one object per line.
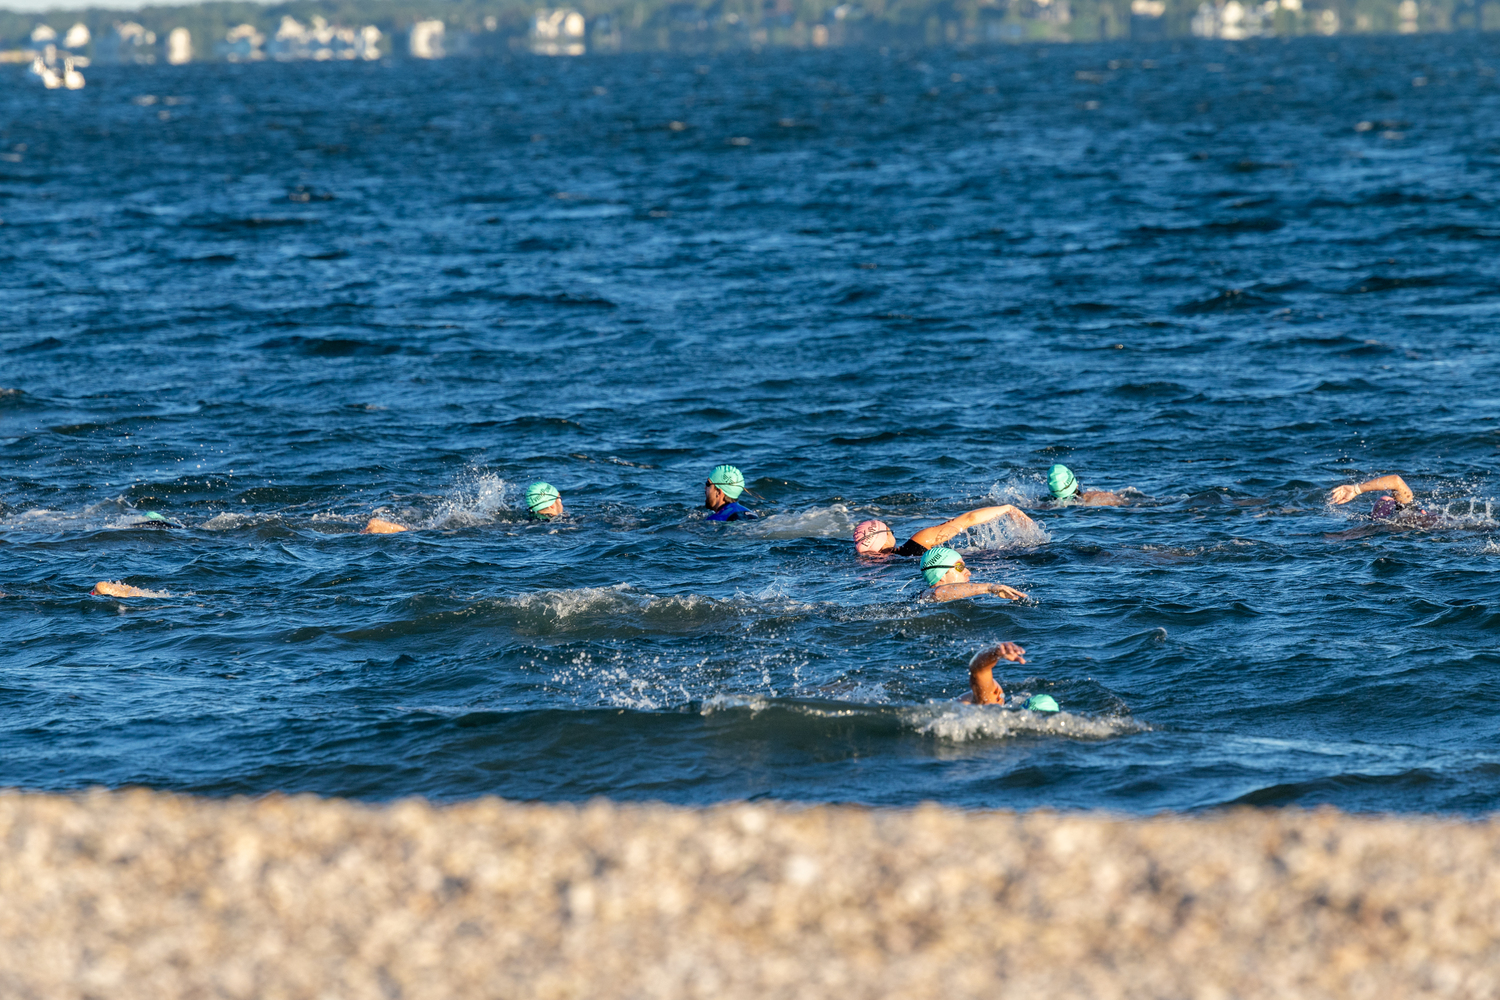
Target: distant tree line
{"x":489,"y":27}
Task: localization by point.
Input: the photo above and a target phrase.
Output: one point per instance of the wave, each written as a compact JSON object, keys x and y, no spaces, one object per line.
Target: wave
{"x":952,"y":722}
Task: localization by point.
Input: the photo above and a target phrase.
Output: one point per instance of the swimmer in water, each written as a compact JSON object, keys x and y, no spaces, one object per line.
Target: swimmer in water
{"x":722,"y":492}
{"x":875,"y":538}
{"x":113,"y":588}
{"x":543,"y":503}
{"x":1065,"y":489}
{"x":948,"y":579}
{"x":985,"y":690}
{"x":1399,"y":501}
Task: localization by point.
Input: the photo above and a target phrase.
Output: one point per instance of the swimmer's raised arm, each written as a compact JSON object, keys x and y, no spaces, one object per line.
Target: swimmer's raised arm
{"x":958,"y":591}
{"x":1397,"y":485}
{"x":939,"y":534}
{"x":983,"y":688}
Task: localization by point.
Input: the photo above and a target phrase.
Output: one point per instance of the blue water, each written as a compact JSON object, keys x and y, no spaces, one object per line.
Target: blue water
{"x":272,"y":300}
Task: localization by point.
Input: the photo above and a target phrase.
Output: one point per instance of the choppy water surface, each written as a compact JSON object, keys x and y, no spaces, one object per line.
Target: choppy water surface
{"x":271,"y":300}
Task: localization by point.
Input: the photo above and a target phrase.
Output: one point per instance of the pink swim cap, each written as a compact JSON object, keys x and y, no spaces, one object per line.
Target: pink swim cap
{"x":867,"y":537}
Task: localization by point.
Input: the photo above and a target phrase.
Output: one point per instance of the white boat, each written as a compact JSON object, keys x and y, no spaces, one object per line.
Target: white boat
{"x":49,"y":76}
{"x":72,"y":79}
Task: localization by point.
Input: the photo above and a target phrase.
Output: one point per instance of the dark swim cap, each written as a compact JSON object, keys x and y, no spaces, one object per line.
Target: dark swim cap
{"x":1385,"y":508}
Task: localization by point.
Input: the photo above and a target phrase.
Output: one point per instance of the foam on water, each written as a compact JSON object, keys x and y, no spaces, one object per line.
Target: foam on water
{"x":960,"y":723}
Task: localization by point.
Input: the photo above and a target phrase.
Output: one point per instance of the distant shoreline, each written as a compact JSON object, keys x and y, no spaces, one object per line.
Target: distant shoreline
{"x":142,"y":894}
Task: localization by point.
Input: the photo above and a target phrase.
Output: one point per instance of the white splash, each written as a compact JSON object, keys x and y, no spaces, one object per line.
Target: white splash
{"x":1003,"y":533}
{"x":833,"y":521}
{"x":476,"y":498}
{"x":959,"y":723}
{"x":1023,"y":491}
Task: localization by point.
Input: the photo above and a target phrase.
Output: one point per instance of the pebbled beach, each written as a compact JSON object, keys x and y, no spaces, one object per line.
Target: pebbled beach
{"x":150,"y":895}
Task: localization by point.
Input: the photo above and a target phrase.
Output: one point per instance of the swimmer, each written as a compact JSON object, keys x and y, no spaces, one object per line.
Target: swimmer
{"x":1064,"y":487}
{"x":985,"y":690}
{"x":1388,"y":507}
{"x":721,"y":493}
{"x":875,"y":538}
{"x":543,"y":503}
{"x":113,"y":588}
{"x":948,"y":579}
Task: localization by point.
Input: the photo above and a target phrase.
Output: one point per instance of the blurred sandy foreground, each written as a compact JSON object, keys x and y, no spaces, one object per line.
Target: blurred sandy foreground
{"x":116,"y":896}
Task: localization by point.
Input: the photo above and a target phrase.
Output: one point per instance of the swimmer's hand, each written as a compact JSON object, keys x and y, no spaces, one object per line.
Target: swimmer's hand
{"x":986,"y":659}
{"x":1010,"y":594}
{"x":378,"y":526}
{"x":1345,"y":493}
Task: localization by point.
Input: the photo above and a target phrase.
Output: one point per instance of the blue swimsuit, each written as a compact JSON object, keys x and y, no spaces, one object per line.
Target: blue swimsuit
{"x":732,"y":511}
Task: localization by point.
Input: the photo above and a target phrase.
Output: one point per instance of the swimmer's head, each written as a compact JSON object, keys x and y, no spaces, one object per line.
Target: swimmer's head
{"x":1061,"y":482}
{"x":872,"y":538}
{"x":543,"y":500}
{"x":1385,"y":508}
{"x":1042,"y":703}
{"x":727,"y":480}
{"x":940,"y":563}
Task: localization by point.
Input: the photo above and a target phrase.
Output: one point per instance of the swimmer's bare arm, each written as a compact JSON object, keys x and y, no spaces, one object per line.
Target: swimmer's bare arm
{"x":1101,"y":498}
{"x":380,"y":526}
{"x":113,"y":588}
{"x":1397,"y":485}
{"x":983,"y":689}
{"x":958,"y":591}
{"x":939,"y":534}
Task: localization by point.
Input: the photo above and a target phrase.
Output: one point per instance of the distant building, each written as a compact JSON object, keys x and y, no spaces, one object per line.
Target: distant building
{"x":426,"y":40}
{"x":179,"y":46}
{"x":321,"y":41}
{"x":558,"y":32}
{"x":127,"y":43}
{"x":242,"y":43}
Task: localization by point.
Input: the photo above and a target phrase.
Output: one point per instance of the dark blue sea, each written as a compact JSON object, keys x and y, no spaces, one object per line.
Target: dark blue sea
{"x":269,"y":301}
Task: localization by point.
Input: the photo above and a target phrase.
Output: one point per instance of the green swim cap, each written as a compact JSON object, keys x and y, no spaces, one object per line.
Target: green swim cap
{"x":540,"y":495}
{"x":937,"y":562}
{"x":1061,"y":482}
{"x":1042,"y":703}
{"x":729,"y":480}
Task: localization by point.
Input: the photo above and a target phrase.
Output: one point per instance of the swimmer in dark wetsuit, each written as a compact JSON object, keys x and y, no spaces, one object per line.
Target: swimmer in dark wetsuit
{"x":543,"y":503}
{"x":722,"y":492}
{"x":985,"y":690}
{"x":1399,"y":502}
{"x":875,"y":538}
{"x":948,"y":579}
{"x":1065,"y":488}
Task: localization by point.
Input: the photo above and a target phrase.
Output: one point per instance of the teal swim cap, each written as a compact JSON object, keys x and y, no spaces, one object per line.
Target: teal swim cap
{"x":729,"y":480}
{"x":1061,"y":482}
{"x":540,"y":495}
{"x":1042,"y":703}
{"x":937,"y":562}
